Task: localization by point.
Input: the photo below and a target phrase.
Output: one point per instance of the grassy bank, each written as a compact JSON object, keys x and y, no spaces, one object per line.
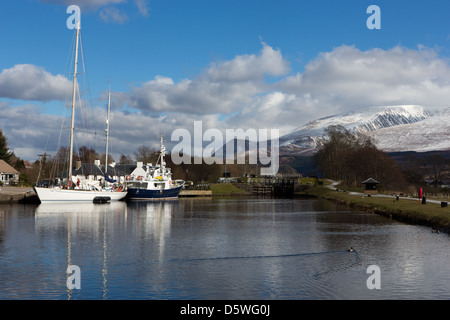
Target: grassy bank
{"x":227,"y":189}
{"x":407,"y":210}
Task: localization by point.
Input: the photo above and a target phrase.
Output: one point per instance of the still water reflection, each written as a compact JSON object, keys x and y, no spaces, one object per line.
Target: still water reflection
{"x":216,"y":249}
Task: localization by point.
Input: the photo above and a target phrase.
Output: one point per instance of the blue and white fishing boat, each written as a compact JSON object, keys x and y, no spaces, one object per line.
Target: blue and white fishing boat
{"x":153,"y":182}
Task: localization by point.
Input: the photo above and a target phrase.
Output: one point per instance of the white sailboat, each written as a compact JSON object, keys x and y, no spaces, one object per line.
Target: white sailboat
{"x":88,"y":192}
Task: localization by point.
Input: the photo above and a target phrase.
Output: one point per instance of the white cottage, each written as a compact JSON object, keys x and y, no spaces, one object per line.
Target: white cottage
{"x":8,"y":175}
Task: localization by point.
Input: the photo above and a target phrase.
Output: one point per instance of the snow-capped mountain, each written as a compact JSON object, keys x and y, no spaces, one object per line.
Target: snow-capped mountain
{"x":393,"y":128}
{"x":430,"y":134}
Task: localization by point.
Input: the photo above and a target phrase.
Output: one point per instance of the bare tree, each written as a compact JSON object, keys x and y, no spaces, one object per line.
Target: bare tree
{"x":353,"y":158}
{"x":125,"y":159}
{"x":87,"y":155}
{"x":436,"y":167}
{"x":412,"y":170}
{"x":145,"y":154}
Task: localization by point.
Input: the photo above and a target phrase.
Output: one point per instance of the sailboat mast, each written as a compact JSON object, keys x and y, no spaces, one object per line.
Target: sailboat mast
{"x":72,"y":124}
{"x":107,"y":130}
{"x":163,"y":153}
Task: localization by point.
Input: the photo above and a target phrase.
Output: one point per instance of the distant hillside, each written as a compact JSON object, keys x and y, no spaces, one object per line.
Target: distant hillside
{"x":393,"y":128}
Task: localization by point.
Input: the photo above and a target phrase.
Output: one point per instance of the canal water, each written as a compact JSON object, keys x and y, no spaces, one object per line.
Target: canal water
{"x":217,"y":248}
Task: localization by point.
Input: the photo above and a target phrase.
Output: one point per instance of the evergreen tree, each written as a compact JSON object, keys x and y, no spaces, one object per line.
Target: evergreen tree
{"x":5,"y":153}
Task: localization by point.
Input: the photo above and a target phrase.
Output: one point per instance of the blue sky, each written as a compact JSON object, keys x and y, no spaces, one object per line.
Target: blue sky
{"x":247,"y":63}
{"x":179,"y":38}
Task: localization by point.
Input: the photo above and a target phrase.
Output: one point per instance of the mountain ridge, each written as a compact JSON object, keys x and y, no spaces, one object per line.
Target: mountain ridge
{"x":392,"y":128}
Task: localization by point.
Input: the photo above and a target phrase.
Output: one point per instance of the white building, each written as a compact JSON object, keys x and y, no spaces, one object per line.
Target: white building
{"x":8,"y":175}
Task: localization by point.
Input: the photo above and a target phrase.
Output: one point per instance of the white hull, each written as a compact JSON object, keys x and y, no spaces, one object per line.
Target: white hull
{"x":57,"y":194}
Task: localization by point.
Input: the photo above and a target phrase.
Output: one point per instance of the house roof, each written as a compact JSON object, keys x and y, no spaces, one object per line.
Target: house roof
{"x":6,"y":168}
{"x":371,"y":180}
{"x":92,"y":169}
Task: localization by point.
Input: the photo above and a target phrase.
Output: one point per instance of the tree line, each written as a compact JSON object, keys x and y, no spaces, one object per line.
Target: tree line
{"x":48,"y":166}
{"x":433,"y":168}
{"x":353,"y":158}
{"x":342,"y":155}
{"x":5,"y":153}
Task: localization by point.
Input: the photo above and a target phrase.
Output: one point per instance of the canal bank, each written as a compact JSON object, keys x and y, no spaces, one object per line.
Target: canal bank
{"x":28,"y":195}
{"x":17,"y":194}
{"x":408,"y":210}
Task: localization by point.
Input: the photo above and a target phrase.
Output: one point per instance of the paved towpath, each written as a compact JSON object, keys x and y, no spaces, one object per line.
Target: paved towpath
{"x":335,"y":183}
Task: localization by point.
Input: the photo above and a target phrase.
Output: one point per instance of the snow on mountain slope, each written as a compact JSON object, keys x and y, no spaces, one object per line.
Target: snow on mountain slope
{"x":431,"y":134}
{"x":391,"y":127}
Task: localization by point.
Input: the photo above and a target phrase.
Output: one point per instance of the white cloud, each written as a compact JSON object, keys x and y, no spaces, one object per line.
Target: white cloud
{"x":347,"y":78}
{"x":28,"y":129}
{"x":142,"y":7}
{"x":108,"y":9}
{"x":223,"y":88}
{"x":234,"y":94}
{"x":249,"y":67}
{"x":30,"y":82}
{"x":86,"y":5}
{"x":112,"y":14}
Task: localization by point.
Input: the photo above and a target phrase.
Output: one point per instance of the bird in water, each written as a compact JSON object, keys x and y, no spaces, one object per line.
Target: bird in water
{"x":350,"y":250}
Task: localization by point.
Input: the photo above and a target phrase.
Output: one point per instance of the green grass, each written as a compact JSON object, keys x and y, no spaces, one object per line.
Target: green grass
{"x":307,"y":180}
{"x":408,"y":210}
{"x":354,"y":189}
{"x":225,"y":189}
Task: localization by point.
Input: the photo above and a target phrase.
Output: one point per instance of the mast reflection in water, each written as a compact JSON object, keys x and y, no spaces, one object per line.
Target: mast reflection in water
{"x":212,"y":248}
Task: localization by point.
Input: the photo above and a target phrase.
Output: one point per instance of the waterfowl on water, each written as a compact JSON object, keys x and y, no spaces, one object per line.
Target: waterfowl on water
{"x":350,"y":250}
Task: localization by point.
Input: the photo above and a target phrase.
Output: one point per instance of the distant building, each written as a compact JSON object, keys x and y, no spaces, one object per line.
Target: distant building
{"x":445,"y":184}
{"x":228,"y":180}
{"x":370,"y":186}
{"x":8,"y":175}
{"x":97,"y":172}
{"x":28,"y":165}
